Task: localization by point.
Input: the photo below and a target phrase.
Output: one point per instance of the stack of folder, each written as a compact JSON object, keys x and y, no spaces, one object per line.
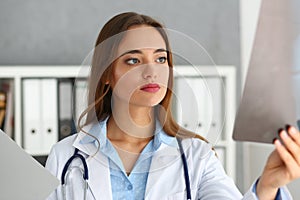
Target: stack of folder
{"x":40,"y":115}
{"x":49,"y":109}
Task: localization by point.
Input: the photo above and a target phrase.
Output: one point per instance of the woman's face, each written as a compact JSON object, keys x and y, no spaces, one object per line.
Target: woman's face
{"x":141,"y":71}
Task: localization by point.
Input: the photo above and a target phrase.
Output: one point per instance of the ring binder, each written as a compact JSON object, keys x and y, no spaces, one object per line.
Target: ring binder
{"x":40,"y":115}
{"x":66,"y":107}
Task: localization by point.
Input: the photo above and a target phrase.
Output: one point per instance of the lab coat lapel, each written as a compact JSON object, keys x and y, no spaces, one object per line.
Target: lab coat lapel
{"x":98,"y":166}
{"x":164,"y":157}
{"x":99,"y":177}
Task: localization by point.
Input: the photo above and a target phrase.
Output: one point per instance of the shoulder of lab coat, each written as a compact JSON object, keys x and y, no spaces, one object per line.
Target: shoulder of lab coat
{"x":99,"y":181}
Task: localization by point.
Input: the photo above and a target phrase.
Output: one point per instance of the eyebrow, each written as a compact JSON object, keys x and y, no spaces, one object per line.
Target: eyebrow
{"x":136,"y":51}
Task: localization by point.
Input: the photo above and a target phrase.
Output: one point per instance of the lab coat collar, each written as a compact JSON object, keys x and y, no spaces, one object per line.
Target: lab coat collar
{"x":99,"y":174}
{"x":166,"y":151}
{"x":98,"y":130}
{"x":162,"y":137}
{"x":98,"y":166}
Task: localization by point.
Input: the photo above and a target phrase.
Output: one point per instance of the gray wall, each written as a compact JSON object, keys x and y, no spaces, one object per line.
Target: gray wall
{"x":63,"y":32}
{"x":40,"y":32}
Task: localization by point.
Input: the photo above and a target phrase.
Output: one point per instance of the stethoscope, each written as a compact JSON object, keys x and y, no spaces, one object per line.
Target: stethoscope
{"x":85,"y":172}
{"x":67,"y":169}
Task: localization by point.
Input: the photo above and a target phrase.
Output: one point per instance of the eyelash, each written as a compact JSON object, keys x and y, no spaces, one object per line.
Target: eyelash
{"x":136,"y":60}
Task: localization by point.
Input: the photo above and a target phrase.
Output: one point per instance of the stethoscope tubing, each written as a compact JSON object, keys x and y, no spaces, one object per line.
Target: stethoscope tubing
{"x":67,"y":165}
{"x":186,"y":170}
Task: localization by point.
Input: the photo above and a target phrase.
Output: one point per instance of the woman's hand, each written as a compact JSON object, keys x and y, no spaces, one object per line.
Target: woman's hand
{"x":283,"y":165}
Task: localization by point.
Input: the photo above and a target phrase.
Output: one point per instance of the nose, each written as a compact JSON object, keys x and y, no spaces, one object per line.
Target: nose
{"x":149,"y":72}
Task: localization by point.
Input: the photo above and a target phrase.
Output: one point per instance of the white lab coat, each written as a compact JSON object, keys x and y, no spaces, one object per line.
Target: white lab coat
{"x":166,"y":175}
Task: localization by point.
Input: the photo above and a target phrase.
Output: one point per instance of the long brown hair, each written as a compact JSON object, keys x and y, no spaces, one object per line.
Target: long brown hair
{"x":99,"y":96}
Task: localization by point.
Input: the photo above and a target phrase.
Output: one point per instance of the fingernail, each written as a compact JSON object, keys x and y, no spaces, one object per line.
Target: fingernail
{"x":274,"y":140}
{"x":287,"y":127}
{"x":293,"y":130}
{"x":284,"y":134}
{"x":279,"y":130}
{"x":277,"y":143}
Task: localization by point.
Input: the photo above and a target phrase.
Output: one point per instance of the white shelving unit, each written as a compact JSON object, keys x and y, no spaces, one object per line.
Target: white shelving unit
{"x":208,"y":94}
{"x":17,"y":73}
{"x":225,"y":74}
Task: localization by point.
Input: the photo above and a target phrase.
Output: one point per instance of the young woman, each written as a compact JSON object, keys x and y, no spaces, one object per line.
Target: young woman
{"x":132,"y":146}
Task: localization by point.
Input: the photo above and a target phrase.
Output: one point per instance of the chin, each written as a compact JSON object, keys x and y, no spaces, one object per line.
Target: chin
{"x":147,"y":102}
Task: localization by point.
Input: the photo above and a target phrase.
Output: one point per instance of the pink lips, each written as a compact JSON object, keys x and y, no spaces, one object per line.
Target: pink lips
{"x":151,"y":87}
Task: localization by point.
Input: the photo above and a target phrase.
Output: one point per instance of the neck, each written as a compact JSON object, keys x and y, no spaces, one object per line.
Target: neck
{"x":131,"y":123}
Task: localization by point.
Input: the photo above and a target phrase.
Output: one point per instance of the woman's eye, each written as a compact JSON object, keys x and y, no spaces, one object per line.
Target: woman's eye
{"x":132,"y":61}
{"x":161,"y":59}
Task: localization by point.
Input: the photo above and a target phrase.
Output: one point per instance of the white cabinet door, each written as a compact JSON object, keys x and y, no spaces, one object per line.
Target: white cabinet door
{"x":199,"y":105}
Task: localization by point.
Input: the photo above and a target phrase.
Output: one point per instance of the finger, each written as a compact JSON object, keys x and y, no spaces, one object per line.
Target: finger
{"x":294,"y":133}
{"x":291,"y":146}
{"x":290,"y":163}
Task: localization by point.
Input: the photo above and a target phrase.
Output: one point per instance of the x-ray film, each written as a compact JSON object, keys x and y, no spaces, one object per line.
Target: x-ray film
{"x":271,"y":97}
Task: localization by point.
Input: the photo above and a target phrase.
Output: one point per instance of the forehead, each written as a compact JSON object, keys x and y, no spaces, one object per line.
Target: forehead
{"x":141,"y":37}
